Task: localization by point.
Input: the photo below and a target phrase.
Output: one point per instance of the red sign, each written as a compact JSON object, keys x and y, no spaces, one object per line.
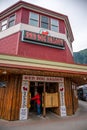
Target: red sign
{"x":42,"y":39}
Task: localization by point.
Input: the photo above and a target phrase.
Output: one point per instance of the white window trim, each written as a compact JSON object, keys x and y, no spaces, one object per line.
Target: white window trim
{"x":33,"y":19}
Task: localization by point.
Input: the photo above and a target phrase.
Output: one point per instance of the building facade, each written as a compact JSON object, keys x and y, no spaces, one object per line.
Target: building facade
{"x":36,"y":55}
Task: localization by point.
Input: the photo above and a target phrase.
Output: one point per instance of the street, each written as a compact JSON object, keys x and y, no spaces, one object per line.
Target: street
{"x":52,"y":121}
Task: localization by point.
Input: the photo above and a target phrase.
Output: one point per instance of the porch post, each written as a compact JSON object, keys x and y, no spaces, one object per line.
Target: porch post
{"x":44,"y":108}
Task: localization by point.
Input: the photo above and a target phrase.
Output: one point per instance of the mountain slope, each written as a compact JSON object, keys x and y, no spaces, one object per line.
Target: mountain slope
{"x":80,"y":57}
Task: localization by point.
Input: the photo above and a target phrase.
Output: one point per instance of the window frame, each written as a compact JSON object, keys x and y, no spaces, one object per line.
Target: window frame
{"x":7,"y":23}
{"x":11,"y":20}
{"x":4,"y":25}
{"x":33,"y":19}
{"x":54,"y":25}
{"x":48,"y":22}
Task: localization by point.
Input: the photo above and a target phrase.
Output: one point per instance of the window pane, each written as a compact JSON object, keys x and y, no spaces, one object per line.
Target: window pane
{"x":54,"y":22}
{"x":44,"y":19}
{"x":44,"y":22}
{"x":44,"y":25}
{"x":54,"y":25}
{"x":4,"y":22}
{"x":33,"y":22}
{"x":12,"y":18}
{"x":4,"y":27}
{"x":11,"y":21}
{"x":54,"y":28}
{"x":34,"y":19}
{"x":34,"y":16}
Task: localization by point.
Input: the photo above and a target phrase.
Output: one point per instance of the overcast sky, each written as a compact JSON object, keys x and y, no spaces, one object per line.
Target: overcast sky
{"x":76,"y":10}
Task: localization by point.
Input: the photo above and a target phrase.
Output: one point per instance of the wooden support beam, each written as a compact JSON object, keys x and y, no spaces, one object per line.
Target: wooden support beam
{"x":44,"y":108}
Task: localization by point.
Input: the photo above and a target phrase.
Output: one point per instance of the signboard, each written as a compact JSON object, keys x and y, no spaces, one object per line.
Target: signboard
{"x":62,"y":110}
{"x":62,"y":100}
{"x":24,"y":100}
{"x":24,"y":109}
{"x":25,"y":86}
{"x":42,"y":39}
{"x":23,"y":113}
{"x":42,"y":78}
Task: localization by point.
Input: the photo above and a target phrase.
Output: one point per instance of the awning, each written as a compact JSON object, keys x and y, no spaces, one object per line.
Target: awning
{"x":20,"y":65}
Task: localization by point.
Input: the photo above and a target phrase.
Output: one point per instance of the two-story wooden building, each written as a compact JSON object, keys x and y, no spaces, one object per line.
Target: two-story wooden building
{"x":36,"y":55}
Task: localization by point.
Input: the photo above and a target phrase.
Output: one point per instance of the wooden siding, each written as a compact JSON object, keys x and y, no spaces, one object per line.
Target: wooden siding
{"x":10,"y":97}
{"x":71,"y":101}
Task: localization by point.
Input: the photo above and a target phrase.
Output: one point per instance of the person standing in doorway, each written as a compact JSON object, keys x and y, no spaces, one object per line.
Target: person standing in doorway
{"x":38,"y":102}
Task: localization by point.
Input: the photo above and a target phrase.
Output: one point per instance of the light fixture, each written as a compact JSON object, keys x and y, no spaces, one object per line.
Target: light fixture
{"x":4,"y":72}
{"x":84,"y":78}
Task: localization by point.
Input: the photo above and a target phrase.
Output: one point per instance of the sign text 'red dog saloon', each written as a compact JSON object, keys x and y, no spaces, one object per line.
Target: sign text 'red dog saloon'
{"x":42,"y":39}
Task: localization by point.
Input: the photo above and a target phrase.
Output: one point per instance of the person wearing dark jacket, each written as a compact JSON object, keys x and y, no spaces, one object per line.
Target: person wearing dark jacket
{"x":38,"y":102}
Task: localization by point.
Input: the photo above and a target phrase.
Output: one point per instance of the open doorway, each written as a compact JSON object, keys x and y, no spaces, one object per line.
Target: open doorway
{"x":49,"y":97}
{"x":35,"y":87}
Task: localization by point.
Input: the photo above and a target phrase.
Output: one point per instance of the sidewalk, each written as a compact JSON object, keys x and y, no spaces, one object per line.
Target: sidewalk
{"x":52,"y":122}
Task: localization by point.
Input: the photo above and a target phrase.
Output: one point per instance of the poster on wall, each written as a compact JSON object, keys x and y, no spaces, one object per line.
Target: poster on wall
{"x":23,"y":113}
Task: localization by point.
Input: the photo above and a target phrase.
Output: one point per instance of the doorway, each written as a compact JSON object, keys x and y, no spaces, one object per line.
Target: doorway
{"x":35,"y":87}
{"x":48,"y":93}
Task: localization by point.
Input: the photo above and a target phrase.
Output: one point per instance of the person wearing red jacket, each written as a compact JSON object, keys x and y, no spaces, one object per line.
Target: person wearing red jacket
{"x":38,"y":102}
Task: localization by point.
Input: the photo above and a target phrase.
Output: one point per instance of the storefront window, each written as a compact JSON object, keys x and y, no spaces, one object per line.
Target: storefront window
{"x":34,"y":19}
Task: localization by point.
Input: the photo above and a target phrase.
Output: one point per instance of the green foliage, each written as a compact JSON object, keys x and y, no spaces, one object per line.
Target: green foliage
{"x":80,"y":57}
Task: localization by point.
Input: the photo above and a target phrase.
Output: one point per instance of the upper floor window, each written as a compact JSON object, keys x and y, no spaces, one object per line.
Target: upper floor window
{"x":44,"y":22}
{"x":4,"y":25}
{"x":11,"y":21}
{"x":54,"y":25}
{"x":34,"y":19}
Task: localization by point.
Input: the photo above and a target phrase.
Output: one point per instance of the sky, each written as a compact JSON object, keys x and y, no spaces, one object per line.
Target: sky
{"x":75,"y":10}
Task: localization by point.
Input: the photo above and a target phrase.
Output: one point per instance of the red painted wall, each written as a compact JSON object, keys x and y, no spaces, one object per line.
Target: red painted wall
{"x":25,"y":16}
{"x":44,"y":52}
{"x":8,"y":45}
{"x":18,"y":16}
{"x":61,"y":26}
